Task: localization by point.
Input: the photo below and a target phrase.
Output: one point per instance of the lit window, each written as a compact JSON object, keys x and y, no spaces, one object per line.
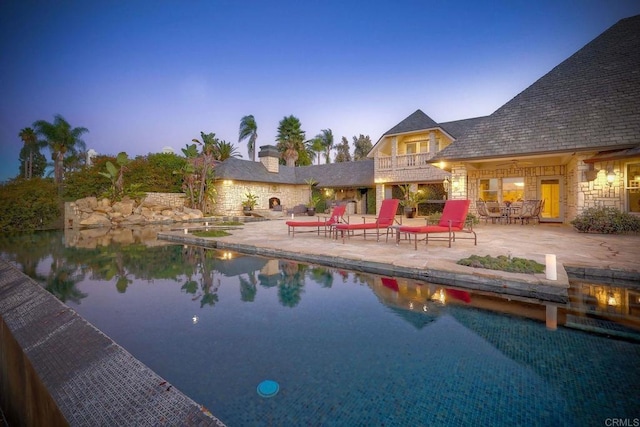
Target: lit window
{"x":488,"y":189}
{"x":512,"y":189}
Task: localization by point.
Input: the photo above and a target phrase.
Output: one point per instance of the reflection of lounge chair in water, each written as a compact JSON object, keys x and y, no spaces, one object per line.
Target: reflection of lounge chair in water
{"x":383,"y":222}
{"x":337,"y":216}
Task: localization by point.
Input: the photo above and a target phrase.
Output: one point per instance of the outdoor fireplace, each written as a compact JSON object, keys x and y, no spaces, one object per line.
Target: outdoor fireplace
{"x":274,"y":203}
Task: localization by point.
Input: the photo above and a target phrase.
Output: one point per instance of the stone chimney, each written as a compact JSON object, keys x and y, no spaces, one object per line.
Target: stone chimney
{"x":269,"y":156}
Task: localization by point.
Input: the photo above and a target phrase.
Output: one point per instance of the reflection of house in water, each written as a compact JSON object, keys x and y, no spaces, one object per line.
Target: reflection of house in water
{"x":270,"y":273}
{"x":236,"y":264}
{"x":595,"y":305}
{"x":430,"y":299}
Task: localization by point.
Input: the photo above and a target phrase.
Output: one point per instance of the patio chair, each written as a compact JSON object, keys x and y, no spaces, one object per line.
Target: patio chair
{"x":485,"y":214}
{"x":453,"y":220}
{"x":526,"y":212}
{"x":538,"y":210}
{"x":384,"y":221}
{"x":495,"y":212}
{"x":337,"y":216}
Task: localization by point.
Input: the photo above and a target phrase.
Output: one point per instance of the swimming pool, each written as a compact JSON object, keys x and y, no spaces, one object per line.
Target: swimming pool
{"x":345,"y":348}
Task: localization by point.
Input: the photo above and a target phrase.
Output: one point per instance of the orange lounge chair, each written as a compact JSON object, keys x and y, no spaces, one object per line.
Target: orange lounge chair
{"x":453,"y":220}
{"x":337,"y":216}
{"x":384,"y":221}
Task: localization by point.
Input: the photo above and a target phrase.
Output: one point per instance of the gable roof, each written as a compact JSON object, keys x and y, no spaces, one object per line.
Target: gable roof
{"x":591,"y":101}
{"x":335,"y":175}
{"x":416,"y":121}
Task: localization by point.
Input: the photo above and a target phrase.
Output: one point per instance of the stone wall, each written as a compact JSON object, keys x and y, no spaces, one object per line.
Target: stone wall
{"x":589,"y":193}
{"x":231,"y":194}
{"x":172,"y":200}
{"x":154,"y":209}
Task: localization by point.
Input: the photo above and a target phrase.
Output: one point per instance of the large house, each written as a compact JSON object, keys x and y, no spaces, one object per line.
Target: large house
{"x":571,"y":139}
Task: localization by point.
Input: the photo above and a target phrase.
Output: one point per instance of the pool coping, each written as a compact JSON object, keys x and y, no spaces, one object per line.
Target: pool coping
{"x":59,"y":367}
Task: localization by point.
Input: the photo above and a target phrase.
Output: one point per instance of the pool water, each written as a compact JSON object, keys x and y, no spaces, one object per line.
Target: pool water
{"x":345,"y":348}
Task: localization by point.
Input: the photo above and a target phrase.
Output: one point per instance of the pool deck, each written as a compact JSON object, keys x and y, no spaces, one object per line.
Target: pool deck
{"x":608,"y":257}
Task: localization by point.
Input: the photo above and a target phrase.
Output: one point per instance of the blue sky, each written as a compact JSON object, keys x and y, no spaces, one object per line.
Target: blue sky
{"x":142,"y":75}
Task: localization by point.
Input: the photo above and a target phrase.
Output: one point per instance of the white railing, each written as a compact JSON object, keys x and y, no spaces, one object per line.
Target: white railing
{"x":404,"y":161}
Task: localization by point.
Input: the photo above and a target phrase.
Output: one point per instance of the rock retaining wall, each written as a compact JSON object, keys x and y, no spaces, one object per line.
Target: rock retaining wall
{"x":155,"y":208}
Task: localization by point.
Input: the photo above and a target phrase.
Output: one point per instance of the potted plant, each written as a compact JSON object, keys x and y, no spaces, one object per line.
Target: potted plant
{"x":250,"y":202}
{"x":313,"y":203}
{"x":411,"y":200}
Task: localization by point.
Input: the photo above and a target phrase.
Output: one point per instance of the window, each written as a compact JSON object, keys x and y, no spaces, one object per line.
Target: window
{"x":633,"y":187}
{"x":488,"y":189}
{"x":504,"y":190}
{"x":512,"y":189}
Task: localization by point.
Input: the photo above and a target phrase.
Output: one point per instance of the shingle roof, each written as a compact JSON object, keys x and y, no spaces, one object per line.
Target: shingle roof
{"x":335,"y":175}
{"x":416,"y":121}
{"x":460,"y":128}
{"x":590,"y":101}
{"x":345,"y":174}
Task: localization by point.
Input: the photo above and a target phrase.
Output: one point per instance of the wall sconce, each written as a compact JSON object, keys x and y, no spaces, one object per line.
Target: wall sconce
{"x":611,"y":176}
{"x":445,"y":184}
{"x":455,"y":185}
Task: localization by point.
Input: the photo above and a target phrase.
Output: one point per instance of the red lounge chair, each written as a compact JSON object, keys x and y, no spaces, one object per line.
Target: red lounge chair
{"x":337,"y":216}
{"x":384,"y":221}
{"x":453,"y":220}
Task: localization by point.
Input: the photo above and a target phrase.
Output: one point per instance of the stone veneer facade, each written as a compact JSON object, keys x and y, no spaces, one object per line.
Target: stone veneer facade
{"x":231,"y":194}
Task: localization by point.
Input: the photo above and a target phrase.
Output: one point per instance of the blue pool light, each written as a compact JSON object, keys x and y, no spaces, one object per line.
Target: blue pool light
{"x":268,"y":388}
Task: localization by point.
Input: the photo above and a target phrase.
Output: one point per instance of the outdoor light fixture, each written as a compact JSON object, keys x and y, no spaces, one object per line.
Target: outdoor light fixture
{"x":445,"y":184}
{"x":611,"y":176}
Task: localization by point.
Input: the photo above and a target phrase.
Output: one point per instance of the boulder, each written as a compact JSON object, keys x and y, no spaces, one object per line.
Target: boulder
{"x":96,"y":220}
{"x":124,"y":207}
{"x":193,"y":213}
{"x":134,"y":220}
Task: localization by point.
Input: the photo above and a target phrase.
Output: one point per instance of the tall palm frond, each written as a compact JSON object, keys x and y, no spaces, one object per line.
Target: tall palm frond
{"x":249,"y":129}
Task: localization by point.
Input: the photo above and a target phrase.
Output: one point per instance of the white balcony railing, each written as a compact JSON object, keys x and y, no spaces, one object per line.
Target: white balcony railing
{"x":404,"y":161}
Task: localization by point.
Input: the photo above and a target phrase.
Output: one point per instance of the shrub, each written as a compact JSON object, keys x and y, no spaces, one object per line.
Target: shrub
{"x":27,"y":205}
{"x":606,"y":220}
{"x":503,"y":263}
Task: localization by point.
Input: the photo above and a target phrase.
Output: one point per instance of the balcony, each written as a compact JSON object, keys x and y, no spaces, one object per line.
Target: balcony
{"x":403,"y":161}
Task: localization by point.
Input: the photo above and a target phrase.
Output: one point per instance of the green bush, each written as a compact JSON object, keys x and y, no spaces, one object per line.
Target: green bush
{"x":503,"y":263}
{"x":27,"y":205}
{"x":151,"y":173}
{"x":87,"y":181}
{"x":606,"y":220}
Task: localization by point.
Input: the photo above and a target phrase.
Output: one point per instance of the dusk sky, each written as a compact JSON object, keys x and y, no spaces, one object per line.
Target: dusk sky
{"x":142,"y":75}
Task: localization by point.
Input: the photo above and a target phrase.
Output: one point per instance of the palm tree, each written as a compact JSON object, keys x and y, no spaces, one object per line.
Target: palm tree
{"x":226,"y":150}
{"x":62,"y":139}
{"x":326,"y":136}
{"x":316,"y":146}
{"x":249,"y":129}
{"x":290,"y":139}
{"x":33,"y":163}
